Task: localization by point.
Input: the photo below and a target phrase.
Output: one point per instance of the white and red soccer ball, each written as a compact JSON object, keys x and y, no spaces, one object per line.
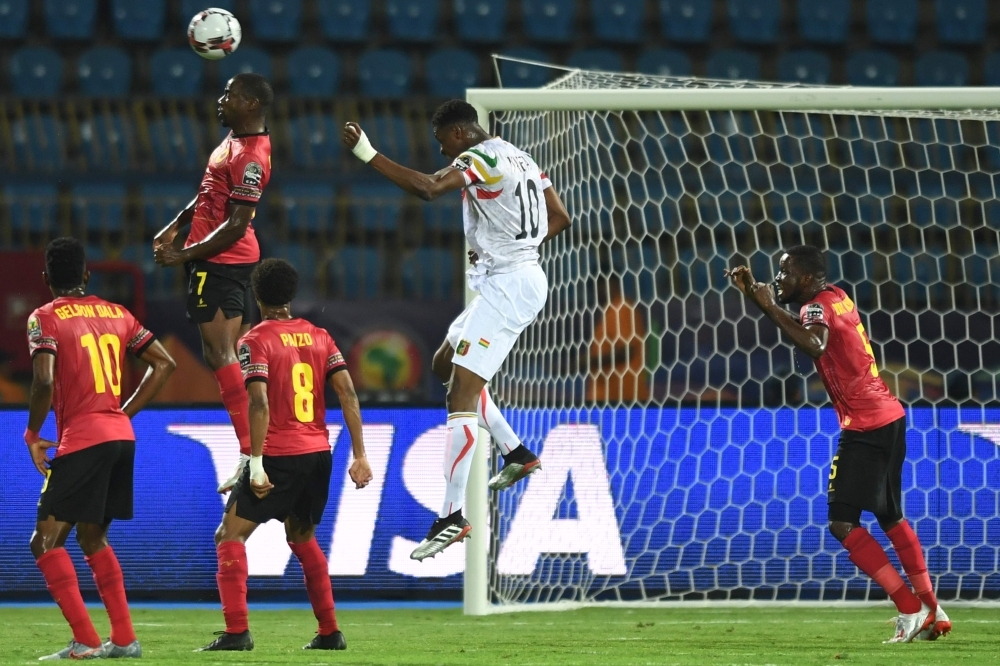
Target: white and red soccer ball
{"x":214,"y":33}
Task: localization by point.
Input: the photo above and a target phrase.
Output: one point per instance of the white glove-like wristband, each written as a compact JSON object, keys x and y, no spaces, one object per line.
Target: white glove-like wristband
{"x":364,"y":151}
{"x":257,"y":470}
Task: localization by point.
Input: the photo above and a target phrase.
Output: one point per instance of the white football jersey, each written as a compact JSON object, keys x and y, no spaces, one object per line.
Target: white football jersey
{"x":504,"y":209}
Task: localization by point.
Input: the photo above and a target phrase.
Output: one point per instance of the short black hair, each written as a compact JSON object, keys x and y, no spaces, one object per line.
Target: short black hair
{"x":454,"y":112}
{"x":65,"y":263}
{"x":256,"y":87}
{"x":809,"y":259}
{"x":275,"y":282}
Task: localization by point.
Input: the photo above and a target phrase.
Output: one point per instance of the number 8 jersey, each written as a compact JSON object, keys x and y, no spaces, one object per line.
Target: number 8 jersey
{"x":504,"y":209}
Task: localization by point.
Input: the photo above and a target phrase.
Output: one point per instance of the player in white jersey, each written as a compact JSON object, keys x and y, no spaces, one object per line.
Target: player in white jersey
{"x":510,"y":208}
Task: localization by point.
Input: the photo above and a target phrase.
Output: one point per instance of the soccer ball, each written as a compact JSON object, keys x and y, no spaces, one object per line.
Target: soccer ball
{"x":214,"y":33}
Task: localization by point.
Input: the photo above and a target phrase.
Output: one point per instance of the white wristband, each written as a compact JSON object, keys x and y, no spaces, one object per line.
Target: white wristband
{"x":257,"y":469}
{"x":364,"y":151}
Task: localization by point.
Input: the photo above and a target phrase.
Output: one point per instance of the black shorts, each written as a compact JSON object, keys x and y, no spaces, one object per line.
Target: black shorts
{"x":867,"y":472}
{"x":301,"y":487}
{"x":90,"y":486}
{"x":212,"y":286}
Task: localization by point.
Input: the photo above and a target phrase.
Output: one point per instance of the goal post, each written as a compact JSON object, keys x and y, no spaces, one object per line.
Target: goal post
{"x":692,"y":466}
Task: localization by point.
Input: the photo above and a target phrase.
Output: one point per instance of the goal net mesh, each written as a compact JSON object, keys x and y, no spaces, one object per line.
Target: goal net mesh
{"x":713,"y":437}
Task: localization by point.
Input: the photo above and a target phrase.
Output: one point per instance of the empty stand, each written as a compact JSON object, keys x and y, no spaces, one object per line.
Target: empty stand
{"x":139,"y":19}
{"x":618,"y":20}
{"x":176,"y":72}
{"x":70,"y":19}
{"x":961,"y":21}
{"x":98,"y":207}
{"x":873,"y":68}
{"x":313,"y":71}
{"x":276,"y":20}
{"x":344,"y":20}
{"x":105,"y":71}
{"x":664,"y":62}
{"x":355,"y":273}
{"x":805,"y":66}
{"x":13,"y":19}
{"x":892,"y":21}
{"x":413,"y":20}
{"x":428,"y":274}
{"x":686,"y":20}
{"x":941,"y":68}
{"x":308,"y":207}
{"x":246,"y":59}
{"x":481,"y":20}
{"x":754,"y":21}
{"x":315,"y":140}
{"x":451,"y":71}
{"x":605,"y":60}
{"x":385,"y":73}
{"x":823,"y":21}
{"x":549,"y":20}
{"x":36,"y":71}
{"x":733,"y":64}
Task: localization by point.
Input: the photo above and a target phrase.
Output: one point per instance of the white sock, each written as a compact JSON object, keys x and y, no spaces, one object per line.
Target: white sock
{"x":491,"y":419}
{"x":463,"y":430}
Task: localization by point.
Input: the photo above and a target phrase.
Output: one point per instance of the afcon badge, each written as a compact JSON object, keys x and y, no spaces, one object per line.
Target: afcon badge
{"x":463,"y":348}
{"x":253,"y":174}
{"x":34,"y":328}
{"x":244,"y":356}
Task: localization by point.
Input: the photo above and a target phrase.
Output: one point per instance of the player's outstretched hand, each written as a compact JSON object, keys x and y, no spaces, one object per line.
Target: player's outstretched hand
{"x":261,"y":489}
{"x":741,"y":277}
{"x":39,"y":455}
{"x":361,"y":472}
{"x":351,"y":135}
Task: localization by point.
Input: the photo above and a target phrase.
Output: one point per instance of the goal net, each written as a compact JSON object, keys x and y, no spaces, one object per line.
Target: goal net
{"x":685,"y":445}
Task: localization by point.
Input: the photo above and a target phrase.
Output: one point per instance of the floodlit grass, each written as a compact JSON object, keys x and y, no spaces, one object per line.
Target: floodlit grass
{"x":673,"y":635}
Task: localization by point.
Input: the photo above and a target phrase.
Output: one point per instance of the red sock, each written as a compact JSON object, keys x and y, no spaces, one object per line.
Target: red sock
{"x":868,"y":556}
{"x":911,"y":556}
{"x":234,"y":397}
{"x":318,"y":585}
{"x":111,"y":586}
{"x":232,"y":580}
{"x":60,"y":577}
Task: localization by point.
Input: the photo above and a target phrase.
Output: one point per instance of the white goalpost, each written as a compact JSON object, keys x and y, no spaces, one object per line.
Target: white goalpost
{"x":685,"y":446}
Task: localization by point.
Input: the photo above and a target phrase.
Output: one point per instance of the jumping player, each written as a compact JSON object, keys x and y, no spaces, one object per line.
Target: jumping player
{"x":221,"y":249}
{"x":510,"y":208}
{"x":78,"y":346}
{"x":286,"y":361}
{"x":866,"y":474}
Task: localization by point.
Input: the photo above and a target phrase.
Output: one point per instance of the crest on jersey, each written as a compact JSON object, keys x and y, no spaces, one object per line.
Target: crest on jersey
{"x":813,"y":315}
{"x":463,"y":348}
{"x":244,"y":355}
{"x":253,"y":174}
{"x":34,"y":329}
{"x":463,"y":162}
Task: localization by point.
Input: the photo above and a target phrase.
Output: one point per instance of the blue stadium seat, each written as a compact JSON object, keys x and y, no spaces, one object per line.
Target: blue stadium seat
{"x":940,"y":68}
{"x":99,"y":206}
{"x":105,"y":140}
{"x":355,"y":273}
{"x":70,"y":19}
{"x":450,"y":71}
{"x":428,"y":274}
{"x":246,"y":59}
{"x":161,"y":201}
{"x":188,"y":8}
{"x":664,"y":62}
{"x":686,"y":20}
{"x":315,"y":140}
{"x":392,"y":136}
{"x":755,"y":21}
{"x":345,"y":20}
{"x":313,"y":71}
{"x":961,"y":21}
{"x":523,"y":75}
{"x":892,"y":21}
{"x":618,"y":20}
{"x":872,"y":68}
{"x":38,"y":143}
{"x":805,"y":66}
{"x":444,"y":216}
{"x":308,"y":206}
{"x":549,"y":20}
{"x":36,"y":71}
{"x":13,"y":19}
{"x":481,"y":20}
{"x":604,"y":60}
{"x":385,"y":73}
{"x":176,"y":72}
{"x":276,"y":20}
{"x":991,"y":69}
{"x":413,"y":20}
{"x":104,"y":72}
{"x":376,"y":206}
{"x":139,"y":19}
{"x":303,"y":257}
{"x":175,"y":141}
{"x":733,"y":64}
{"x":32,"y":207}
{"x":824,"y":21}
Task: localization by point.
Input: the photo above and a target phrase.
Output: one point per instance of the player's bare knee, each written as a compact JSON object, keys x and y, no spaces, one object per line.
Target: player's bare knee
{"x":298,"y":531}
{"x":91,"y":538}
{"x":839,"y":529}
{"x":38,"y":544}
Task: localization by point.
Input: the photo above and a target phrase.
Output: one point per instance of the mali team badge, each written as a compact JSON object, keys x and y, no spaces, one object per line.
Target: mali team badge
{"x":463,"y":348}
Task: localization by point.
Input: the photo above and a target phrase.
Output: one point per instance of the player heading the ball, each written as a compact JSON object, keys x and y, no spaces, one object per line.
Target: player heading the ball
{"x":509,"y":209}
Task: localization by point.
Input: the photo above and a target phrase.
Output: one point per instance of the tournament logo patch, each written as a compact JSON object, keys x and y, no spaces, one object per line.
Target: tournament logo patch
{"x":244,"y":355}
{"x":253,"y":174}
{"x":463,"y":348}
{"x":463,"y":162}
{"x":813,"y":314}
{"x":34,"y":329}
{"x":484,"y":343}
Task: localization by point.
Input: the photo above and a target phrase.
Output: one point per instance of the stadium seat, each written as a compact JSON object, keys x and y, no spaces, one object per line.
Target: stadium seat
{"x":105,"y":141}
{"x":385,"y":73}
{"x":892,"y":21}
{"x":36,"y":71}
{"x":188,"y":8}
{"x":524,"y":75}
{"x":355,"y":273}
{"x":450,"y":71}
{"x":313,"y":71}
{"x":315,"y":140}
{"x":444,"y":216}
{"x":733,"y":64}
{"x":824,"y":21}
{"x":481,"y":20}
{"x":345,"y":20}
{"x":428,"y":274}
{"x":161,"y":201}
{"x":13,"y":19}
{"x":104,"y":72}
{"x":376,"y":206}
{"x":38,"y":143}
{"x":99,"y":207}
{"x":604,"y":60}
{"x":70,"y":19}
{"x":618,"y":20}
{"x":303,"y":257}
{"x":811,"y":67}
{"x":961,"y":21}
{"x":276,"y":20}
{"x":991,"y":69}
{"x":549,"y":20}
{"x":32,"y":207}
{"x":139,"y":19}
{"x":176,"y":72}
{"x":175,"y":142}
{"x":686,"y":20}
{"x":940,"y":68}
{"x":664,"y":62}
{"x":392,"y":136}
{"x":755,"y":21}
{"x":246,"y":59}
{"x":872,"y":68}
{"x":308,"y":206}
{"x":413,"y":20}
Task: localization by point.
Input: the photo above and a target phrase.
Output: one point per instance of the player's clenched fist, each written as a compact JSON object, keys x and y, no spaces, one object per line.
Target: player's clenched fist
{"x":361,"y":472}
{"x":355,"y":138}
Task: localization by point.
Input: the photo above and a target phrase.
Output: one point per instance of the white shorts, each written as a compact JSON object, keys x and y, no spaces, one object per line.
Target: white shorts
{"x":487,"y":329}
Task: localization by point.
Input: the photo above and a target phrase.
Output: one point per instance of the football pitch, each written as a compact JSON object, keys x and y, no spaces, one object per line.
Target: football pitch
{"x":687,"y":636}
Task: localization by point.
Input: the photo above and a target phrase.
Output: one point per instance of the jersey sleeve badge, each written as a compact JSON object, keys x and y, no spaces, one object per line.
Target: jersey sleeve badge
{"x":813,"y":313}
{"x":253,"y":174}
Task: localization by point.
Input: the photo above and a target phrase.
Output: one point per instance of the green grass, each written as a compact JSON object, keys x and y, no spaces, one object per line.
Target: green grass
{"x":687,"y":636}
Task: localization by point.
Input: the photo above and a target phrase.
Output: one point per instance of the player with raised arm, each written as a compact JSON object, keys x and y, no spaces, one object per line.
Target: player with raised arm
{"x":286,"y":361}
{"x":510,"y":208}
{"x":221,"y":249}
{"x":866,"y":473}
{"x":78,"y":344}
